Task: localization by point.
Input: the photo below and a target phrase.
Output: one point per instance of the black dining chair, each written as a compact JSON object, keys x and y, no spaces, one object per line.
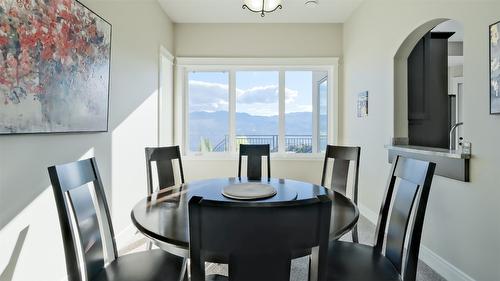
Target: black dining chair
{"x":87,"y":232}
{"x":408,"y":190}
{"x":258,"y":241}
{"x":342,"y":157}
{"x":254,"y":154}
{"x":164,"y":157}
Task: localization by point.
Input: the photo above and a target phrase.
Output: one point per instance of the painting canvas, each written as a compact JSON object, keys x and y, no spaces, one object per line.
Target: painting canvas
{"x":362,"y":109}
{"x":495,"y":68}
{"x":54,"y":67}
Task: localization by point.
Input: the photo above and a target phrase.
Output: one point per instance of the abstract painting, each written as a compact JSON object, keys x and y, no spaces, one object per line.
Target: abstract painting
{"x":54,"y":67}
{"x":362,"y":106}
{"x":495,"y":68}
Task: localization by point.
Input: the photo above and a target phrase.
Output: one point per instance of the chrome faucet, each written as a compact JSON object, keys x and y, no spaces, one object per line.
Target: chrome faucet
{"x":452,"y":139}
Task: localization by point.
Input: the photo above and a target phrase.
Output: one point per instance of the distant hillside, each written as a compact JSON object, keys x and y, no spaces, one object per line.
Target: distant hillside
{"x":214,"y":125}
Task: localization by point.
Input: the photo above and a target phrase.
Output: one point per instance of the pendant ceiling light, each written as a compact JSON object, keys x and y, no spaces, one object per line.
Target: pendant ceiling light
{"x":262,"y":6}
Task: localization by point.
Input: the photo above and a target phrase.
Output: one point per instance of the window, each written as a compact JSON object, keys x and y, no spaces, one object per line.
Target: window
{"x":227,"y":103}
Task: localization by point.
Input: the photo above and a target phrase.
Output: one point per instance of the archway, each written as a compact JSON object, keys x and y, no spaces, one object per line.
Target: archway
{"x":400,"y":129}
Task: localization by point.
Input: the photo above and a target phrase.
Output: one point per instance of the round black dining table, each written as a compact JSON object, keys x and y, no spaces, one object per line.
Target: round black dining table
{"x":163,"y":216}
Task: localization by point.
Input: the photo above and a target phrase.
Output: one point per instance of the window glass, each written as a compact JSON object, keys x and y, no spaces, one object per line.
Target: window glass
{"x":299,"y":111}
{"x":257,"y":108}
{"x":208,"y":111}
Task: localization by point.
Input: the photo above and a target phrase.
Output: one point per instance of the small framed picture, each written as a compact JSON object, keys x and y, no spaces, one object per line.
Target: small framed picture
{"x":362,"y":108}
{"x":495,"y":68}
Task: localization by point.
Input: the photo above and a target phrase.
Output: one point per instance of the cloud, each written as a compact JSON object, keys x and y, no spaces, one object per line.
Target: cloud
{"x":260,"y":100}
{"x":264,"y":95}
{"x":290,"y":95}
{"x":206,"y":96}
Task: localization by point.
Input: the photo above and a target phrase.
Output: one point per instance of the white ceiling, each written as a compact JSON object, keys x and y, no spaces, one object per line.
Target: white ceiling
{"x":230,"y":11}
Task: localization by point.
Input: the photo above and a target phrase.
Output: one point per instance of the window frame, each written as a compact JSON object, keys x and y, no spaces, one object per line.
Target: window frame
{"x":317,"y":113}
{"x":184,"y":65}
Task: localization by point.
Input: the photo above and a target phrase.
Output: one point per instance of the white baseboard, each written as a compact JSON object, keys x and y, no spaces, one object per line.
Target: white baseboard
{"x":441,"y":266}
{"x":433,"y":260}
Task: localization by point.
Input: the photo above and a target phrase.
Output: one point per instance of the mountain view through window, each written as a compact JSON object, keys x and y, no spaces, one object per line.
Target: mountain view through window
{"x":257,"y":110}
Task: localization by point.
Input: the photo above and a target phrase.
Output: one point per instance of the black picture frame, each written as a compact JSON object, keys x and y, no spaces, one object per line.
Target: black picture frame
{"x":107,"y":112}
{"x":494,"y":54}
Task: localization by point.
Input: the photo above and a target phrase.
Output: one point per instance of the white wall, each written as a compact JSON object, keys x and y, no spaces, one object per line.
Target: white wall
{"x":454,"y":72}
{"x":257,"y":40}
{"x":305,"y":170}
{"x":26,"y":198}
{"x":462,"y":224}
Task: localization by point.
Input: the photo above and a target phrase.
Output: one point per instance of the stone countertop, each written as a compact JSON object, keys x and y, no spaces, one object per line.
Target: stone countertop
{"x":432,"y":151}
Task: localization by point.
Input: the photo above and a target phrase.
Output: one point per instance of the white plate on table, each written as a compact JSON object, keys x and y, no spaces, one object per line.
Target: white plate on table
{"x":249,"y":191}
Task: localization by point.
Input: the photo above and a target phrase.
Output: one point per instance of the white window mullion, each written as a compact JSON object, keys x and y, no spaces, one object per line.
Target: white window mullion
{"x":232,"y":111}
{"x":185,"y":111}
{"x":281,"y":123}
{"x":315,"y":114}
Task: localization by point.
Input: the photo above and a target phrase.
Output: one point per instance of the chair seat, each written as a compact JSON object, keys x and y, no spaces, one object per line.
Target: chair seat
{"x":154,"y":265}
{"x":357,"y":262}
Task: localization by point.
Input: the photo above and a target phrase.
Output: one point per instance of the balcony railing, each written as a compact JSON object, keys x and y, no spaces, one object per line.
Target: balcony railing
{"x":293,"y":143}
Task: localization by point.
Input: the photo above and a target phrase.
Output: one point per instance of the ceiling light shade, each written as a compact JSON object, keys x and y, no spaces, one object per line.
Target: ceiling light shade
{"x":312,"y":2}
{"x":262,"y":6}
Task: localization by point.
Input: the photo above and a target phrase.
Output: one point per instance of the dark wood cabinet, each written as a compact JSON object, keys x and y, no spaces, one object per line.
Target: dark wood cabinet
{"x":428,"y":108}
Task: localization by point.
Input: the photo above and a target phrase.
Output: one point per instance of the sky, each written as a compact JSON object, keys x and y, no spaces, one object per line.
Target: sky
{"x":257,"y":92}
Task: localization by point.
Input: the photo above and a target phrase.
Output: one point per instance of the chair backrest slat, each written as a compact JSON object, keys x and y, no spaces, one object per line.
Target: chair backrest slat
{"x":398,"y":222}
{"x":410,"y":180}
{"x":254,"y":153}
{"x":164,"y":157}
{"x":84,"y":218}
{"x":340,"y":175}
{"x":253,"y":237}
